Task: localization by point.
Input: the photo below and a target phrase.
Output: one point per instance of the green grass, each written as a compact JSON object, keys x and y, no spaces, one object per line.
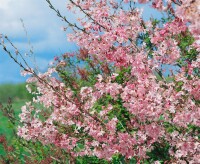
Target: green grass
{"x":19,"y":95}
{"x":14,"y":91}
{"x":6,"y":126}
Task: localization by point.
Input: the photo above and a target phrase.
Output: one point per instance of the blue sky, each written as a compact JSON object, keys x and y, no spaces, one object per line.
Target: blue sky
{"x":44,"y":31}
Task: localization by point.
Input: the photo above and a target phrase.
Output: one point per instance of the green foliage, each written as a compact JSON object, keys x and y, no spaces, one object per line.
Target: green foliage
{"x":14,"y":91}
{"x":91,"y":160}
{"x":188,"y":53}
{"x":122,"y":75}
{"x":159,"y":153}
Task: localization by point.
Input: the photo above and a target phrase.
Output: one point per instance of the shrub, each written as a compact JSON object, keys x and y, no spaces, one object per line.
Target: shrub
{"x":112,"y":101}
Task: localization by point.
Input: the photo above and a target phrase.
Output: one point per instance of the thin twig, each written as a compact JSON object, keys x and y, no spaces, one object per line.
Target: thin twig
{"x":64,"y":18}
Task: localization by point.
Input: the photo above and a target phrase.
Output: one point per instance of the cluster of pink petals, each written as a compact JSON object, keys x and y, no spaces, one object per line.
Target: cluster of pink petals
{"x":150,"y":103}
{"x":190,"y":11}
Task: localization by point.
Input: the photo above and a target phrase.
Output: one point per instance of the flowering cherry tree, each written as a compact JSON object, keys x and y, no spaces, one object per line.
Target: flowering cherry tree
{"x":119,"y":102}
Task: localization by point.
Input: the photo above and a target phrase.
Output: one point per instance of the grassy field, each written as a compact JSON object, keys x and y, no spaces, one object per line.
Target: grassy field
{"x":18,"y":95}
{"x":4,"y":123}
{"x":14,"y":91}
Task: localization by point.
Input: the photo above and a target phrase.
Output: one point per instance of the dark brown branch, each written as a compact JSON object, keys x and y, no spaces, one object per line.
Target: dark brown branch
{"x":64,"y":18}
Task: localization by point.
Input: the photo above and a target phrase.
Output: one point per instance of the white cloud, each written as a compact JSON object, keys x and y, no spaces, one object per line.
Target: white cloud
{"x":44,"y":31}
{"x":38,"y":18}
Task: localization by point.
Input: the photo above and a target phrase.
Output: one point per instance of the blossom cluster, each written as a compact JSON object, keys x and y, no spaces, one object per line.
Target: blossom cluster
{"x":130,"y":107}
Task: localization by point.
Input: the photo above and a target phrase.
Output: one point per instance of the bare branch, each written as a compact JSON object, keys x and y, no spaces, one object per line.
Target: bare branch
{"x":64,"y":18}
